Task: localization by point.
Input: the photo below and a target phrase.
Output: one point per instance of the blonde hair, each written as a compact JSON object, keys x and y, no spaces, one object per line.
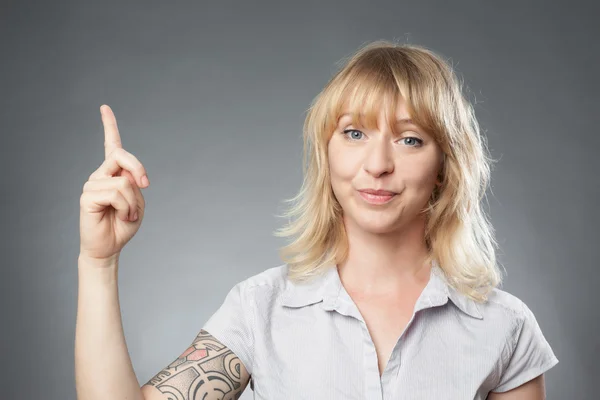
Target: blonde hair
{"x":458,"y":234}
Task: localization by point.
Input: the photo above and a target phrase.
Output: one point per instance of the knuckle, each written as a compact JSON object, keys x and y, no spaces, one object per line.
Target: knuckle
{"x":123,"y":182}
{"x":114,"y":154}
{"x":83,"y":199}
{"x":115,"y":196}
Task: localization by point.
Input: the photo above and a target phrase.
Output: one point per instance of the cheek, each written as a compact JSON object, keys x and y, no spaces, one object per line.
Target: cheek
{"x":342,"y":165}
{"x":420,"y":176}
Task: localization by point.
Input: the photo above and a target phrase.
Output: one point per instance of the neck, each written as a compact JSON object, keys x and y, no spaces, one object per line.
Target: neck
{"x":379,"y":263}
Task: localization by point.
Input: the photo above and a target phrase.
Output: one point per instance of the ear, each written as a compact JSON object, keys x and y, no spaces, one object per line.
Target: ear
{"x":439,"y":179}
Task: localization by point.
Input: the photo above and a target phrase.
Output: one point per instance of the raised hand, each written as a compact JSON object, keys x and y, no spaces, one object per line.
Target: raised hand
{"x":111,"y":205}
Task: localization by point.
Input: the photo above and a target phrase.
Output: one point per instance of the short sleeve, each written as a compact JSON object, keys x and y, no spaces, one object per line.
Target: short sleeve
{"x":531,"y":355}
{"x":231,"y":324}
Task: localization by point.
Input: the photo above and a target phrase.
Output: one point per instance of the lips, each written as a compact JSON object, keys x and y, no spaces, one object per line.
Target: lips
{"x":378,"y":192}
{"x":376,"y":196}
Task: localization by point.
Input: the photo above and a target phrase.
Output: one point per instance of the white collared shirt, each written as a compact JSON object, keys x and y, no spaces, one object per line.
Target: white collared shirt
{"x":309,"y":341}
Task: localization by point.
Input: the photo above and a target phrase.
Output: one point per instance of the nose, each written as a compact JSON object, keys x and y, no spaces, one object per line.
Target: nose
{"x":378,"y":158}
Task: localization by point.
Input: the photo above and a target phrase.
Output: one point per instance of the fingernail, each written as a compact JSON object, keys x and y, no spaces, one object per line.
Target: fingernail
{"x":145,"y":180}
{"x":135,"y":215}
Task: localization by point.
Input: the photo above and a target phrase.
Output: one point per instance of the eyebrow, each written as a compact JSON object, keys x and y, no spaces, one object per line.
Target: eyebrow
{"x":398,"y":121}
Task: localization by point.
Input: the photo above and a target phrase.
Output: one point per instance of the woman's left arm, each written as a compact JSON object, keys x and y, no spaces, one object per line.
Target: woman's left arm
{"x":531,"y":390}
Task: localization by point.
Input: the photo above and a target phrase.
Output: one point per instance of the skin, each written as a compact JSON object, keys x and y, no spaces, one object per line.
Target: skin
{"x":532,"y":390}
{"x":389,"y":238}
{"x":385,"y":266}
{"x":207,"y":369}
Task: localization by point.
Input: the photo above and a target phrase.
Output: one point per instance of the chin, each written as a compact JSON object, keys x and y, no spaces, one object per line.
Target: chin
{"x":377,"y":225}
{"x":379,"y":230}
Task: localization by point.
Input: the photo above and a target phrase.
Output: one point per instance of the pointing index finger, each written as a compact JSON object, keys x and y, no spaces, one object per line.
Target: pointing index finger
{"x":112,"y":139}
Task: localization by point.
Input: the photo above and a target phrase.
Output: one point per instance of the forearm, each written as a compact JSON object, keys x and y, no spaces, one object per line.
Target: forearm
{"x":103,"y":368}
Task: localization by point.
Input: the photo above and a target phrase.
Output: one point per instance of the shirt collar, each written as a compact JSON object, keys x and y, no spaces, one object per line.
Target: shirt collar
{"x":328,"y":289}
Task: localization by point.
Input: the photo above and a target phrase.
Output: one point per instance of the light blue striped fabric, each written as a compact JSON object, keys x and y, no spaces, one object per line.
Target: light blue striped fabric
{"x":309,"y":341}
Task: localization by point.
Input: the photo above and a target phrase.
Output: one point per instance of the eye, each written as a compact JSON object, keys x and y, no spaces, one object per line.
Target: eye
{"x":413,"y":139}
{"x":353,"y":135}
{"x":347,"y":131}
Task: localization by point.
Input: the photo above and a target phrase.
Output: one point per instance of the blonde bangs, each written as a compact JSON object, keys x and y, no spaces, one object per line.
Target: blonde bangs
{"x":377,"y":77}
{"x":363,"y":92}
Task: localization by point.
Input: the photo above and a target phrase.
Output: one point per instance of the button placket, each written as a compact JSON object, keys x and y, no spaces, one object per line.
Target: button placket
{"x":373,"y":388}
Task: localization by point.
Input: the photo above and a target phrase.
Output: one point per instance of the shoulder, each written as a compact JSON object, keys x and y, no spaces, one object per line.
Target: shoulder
{"x":526,"y":353}
{"x":269,"y":283}
{"x":502,"y":301}
{"x":505,"y":309}
{"x":250,"y":297}
{"x":272,"y":278}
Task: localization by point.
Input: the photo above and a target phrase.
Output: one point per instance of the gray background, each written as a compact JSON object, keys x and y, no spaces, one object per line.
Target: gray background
{"x":211,"y":98}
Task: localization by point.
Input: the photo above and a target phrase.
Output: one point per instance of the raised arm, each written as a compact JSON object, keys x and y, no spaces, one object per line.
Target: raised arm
{"x":111,"y":211}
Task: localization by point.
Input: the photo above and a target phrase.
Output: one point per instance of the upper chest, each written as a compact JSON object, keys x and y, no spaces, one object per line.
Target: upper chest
{"x":343,"y":356}
{"x":386,"y":319}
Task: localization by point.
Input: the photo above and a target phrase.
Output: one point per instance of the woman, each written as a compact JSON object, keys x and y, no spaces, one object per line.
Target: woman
{"x":390,"y":285}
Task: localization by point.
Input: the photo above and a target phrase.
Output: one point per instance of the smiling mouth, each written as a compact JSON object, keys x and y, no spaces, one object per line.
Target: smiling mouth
{"x":376,"y":199}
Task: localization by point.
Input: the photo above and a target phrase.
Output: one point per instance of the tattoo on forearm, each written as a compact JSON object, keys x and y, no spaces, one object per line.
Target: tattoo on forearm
{"x":206,"y":370}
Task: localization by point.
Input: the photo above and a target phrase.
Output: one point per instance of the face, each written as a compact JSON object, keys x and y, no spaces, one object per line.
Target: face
{"x":405,"y":163}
